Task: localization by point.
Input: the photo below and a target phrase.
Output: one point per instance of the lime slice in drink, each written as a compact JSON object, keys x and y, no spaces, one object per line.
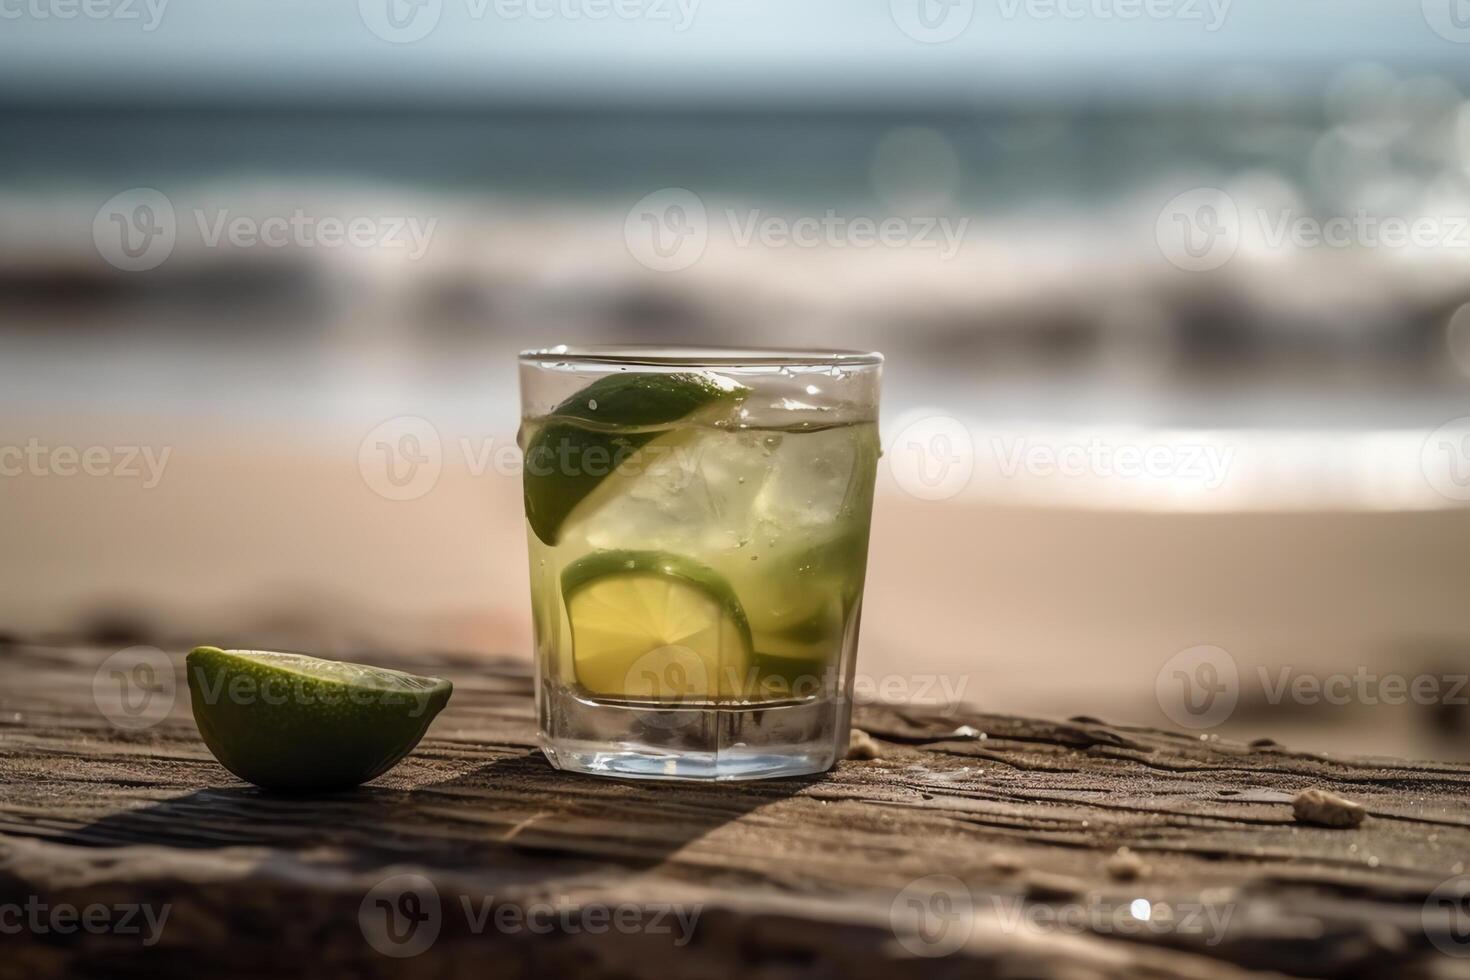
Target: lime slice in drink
{"x":587,"y":436}
{"x":807,"y":628}
{"x":292,"y":722}
{"x":651,"y":626}
{"x":800,"y":614}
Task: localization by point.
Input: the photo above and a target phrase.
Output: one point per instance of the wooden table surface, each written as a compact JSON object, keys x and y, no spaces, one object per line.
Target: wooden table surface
{"x":974,"y":845}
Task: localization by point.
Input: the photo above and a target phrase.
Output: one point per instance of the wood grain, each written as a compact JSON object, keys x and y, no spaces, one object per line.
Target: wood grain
{"x":1023,"y":818}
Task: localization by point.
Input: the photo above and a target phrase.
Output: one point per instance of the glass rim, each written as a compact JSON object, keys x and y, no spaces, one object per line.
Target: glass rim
{"x":667,"y":355}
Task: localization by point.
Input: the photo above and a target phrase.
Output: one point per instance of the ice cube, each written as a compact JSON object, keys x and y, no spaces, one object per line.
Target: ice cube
{"x":690,"y":492}
{"x":810,"y":479}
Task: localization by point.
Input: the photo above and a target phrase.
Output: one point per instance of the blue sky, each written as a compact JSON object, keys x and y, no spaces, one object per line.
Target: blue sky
{"x":699,"y":50}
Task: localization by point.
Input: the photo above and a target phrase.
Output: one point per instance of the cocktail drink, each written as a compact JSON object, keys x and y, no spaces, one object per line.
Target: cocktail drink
{"x":698,"y":530}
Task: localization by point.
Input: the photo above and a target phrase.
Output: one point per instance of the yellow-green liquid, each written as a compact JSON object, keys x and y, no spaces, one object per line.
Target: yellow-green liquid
{"x":780,"y":516}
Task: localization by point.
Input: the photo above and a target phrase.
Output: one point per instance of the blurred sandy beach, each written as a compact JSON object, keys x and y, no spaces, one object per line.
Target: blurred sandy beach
{"x":1048,"y":610}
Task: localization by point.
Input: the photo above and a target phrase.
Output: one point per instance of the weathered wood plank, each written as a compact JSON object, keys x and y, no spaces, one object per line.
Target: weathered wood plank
{"x":1025,"y":818}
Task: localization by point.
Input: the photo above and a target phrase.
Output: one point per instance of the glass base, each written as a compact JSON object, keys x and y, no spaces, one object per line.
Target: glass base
{"x":695,"y":743}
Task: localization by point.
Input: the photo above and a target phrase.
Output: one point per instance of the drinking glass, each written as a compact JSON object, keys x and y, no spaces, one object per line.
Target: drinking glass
{"x":698,"y":529}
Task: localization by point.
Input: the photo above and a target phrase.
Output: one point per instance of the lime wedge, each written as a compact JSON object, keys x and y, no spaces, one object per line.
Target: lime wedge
{"x":587,"y":436}
{"x":808,"y":628}
{"x":801,"y":615}
{"x":292,"y":722}
{"x":651,"y":626}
